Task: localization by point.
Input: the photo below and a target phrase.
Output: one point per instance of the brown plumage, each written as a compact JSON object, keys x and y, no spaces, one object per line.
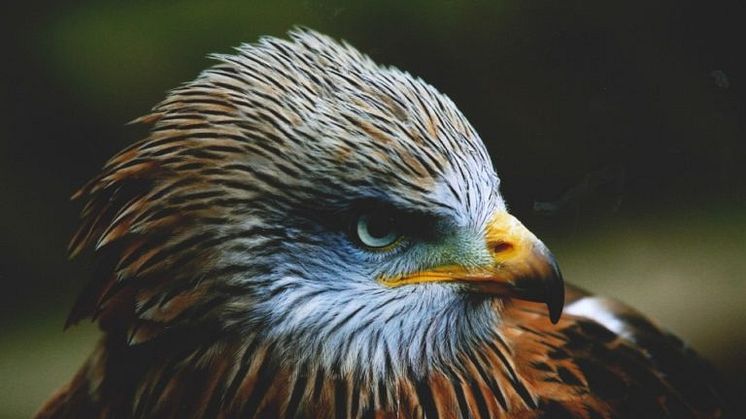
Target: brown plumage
{"x":304,"y":233}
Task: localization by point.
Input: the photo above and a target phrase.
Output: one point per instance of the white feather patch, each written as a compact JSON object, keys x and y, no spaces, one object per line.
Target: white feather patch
{"x":598,"y":309}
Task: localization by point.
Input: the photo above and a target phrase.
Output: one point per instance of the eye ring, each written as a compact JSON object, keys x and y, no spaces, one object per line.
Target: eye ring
{"x":376,"y":231}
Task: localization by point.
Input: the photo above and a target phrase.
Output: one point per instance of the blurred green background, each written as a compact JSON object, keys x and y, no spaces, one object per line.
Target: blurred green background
{"x":617,"y":128}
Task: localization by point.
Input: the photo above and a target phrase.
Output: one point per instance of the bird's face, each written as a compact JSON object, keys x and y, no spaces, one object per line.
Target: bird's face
{"x":372,"y":267}
{"x":301,"y":193}
{"x":417,"y":268}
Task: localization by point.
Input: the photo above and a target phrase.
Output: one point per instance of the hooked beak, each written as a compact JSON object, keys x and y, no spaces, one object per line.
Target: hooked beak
{"x":522,"y":268}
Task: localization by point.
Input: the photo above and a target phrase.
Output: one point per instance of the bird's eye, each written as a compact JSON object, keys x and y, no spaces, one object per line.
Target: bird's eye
{"x":376,"y":230}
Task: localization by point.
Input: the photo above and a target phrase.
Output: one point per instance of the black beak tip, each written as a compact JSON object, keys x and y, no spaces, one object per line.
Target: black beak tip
{"x":555,"y":294}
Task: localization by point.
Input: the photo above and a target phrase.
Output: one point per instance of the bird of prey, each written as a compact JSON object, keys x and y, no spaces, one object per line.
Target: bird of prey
{"x":305,"y":233}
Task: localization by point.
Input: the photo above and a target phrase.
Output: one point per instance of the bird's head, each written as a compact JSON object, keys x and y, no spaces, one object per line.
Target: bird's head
{"x":298,"y":193}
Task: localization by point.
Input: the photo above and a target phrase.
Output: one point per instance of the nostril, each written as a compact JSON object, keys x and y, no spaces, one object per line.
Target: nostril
{"x":501,"y":247}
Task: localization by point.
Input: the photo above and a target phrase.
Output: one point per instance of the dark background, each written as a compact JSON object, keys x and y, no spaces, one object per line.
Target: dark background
{"x":617,"y":129}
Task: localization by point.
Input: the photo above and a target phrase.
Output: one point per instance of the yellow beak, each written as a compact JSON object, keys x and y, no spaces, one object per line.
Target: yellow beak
{"x":522,"y":267}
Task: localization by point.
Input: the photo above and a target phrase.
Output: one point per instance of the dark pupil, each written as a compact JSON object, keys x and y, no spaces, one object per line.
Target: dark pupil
{"x":379,"y":227}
